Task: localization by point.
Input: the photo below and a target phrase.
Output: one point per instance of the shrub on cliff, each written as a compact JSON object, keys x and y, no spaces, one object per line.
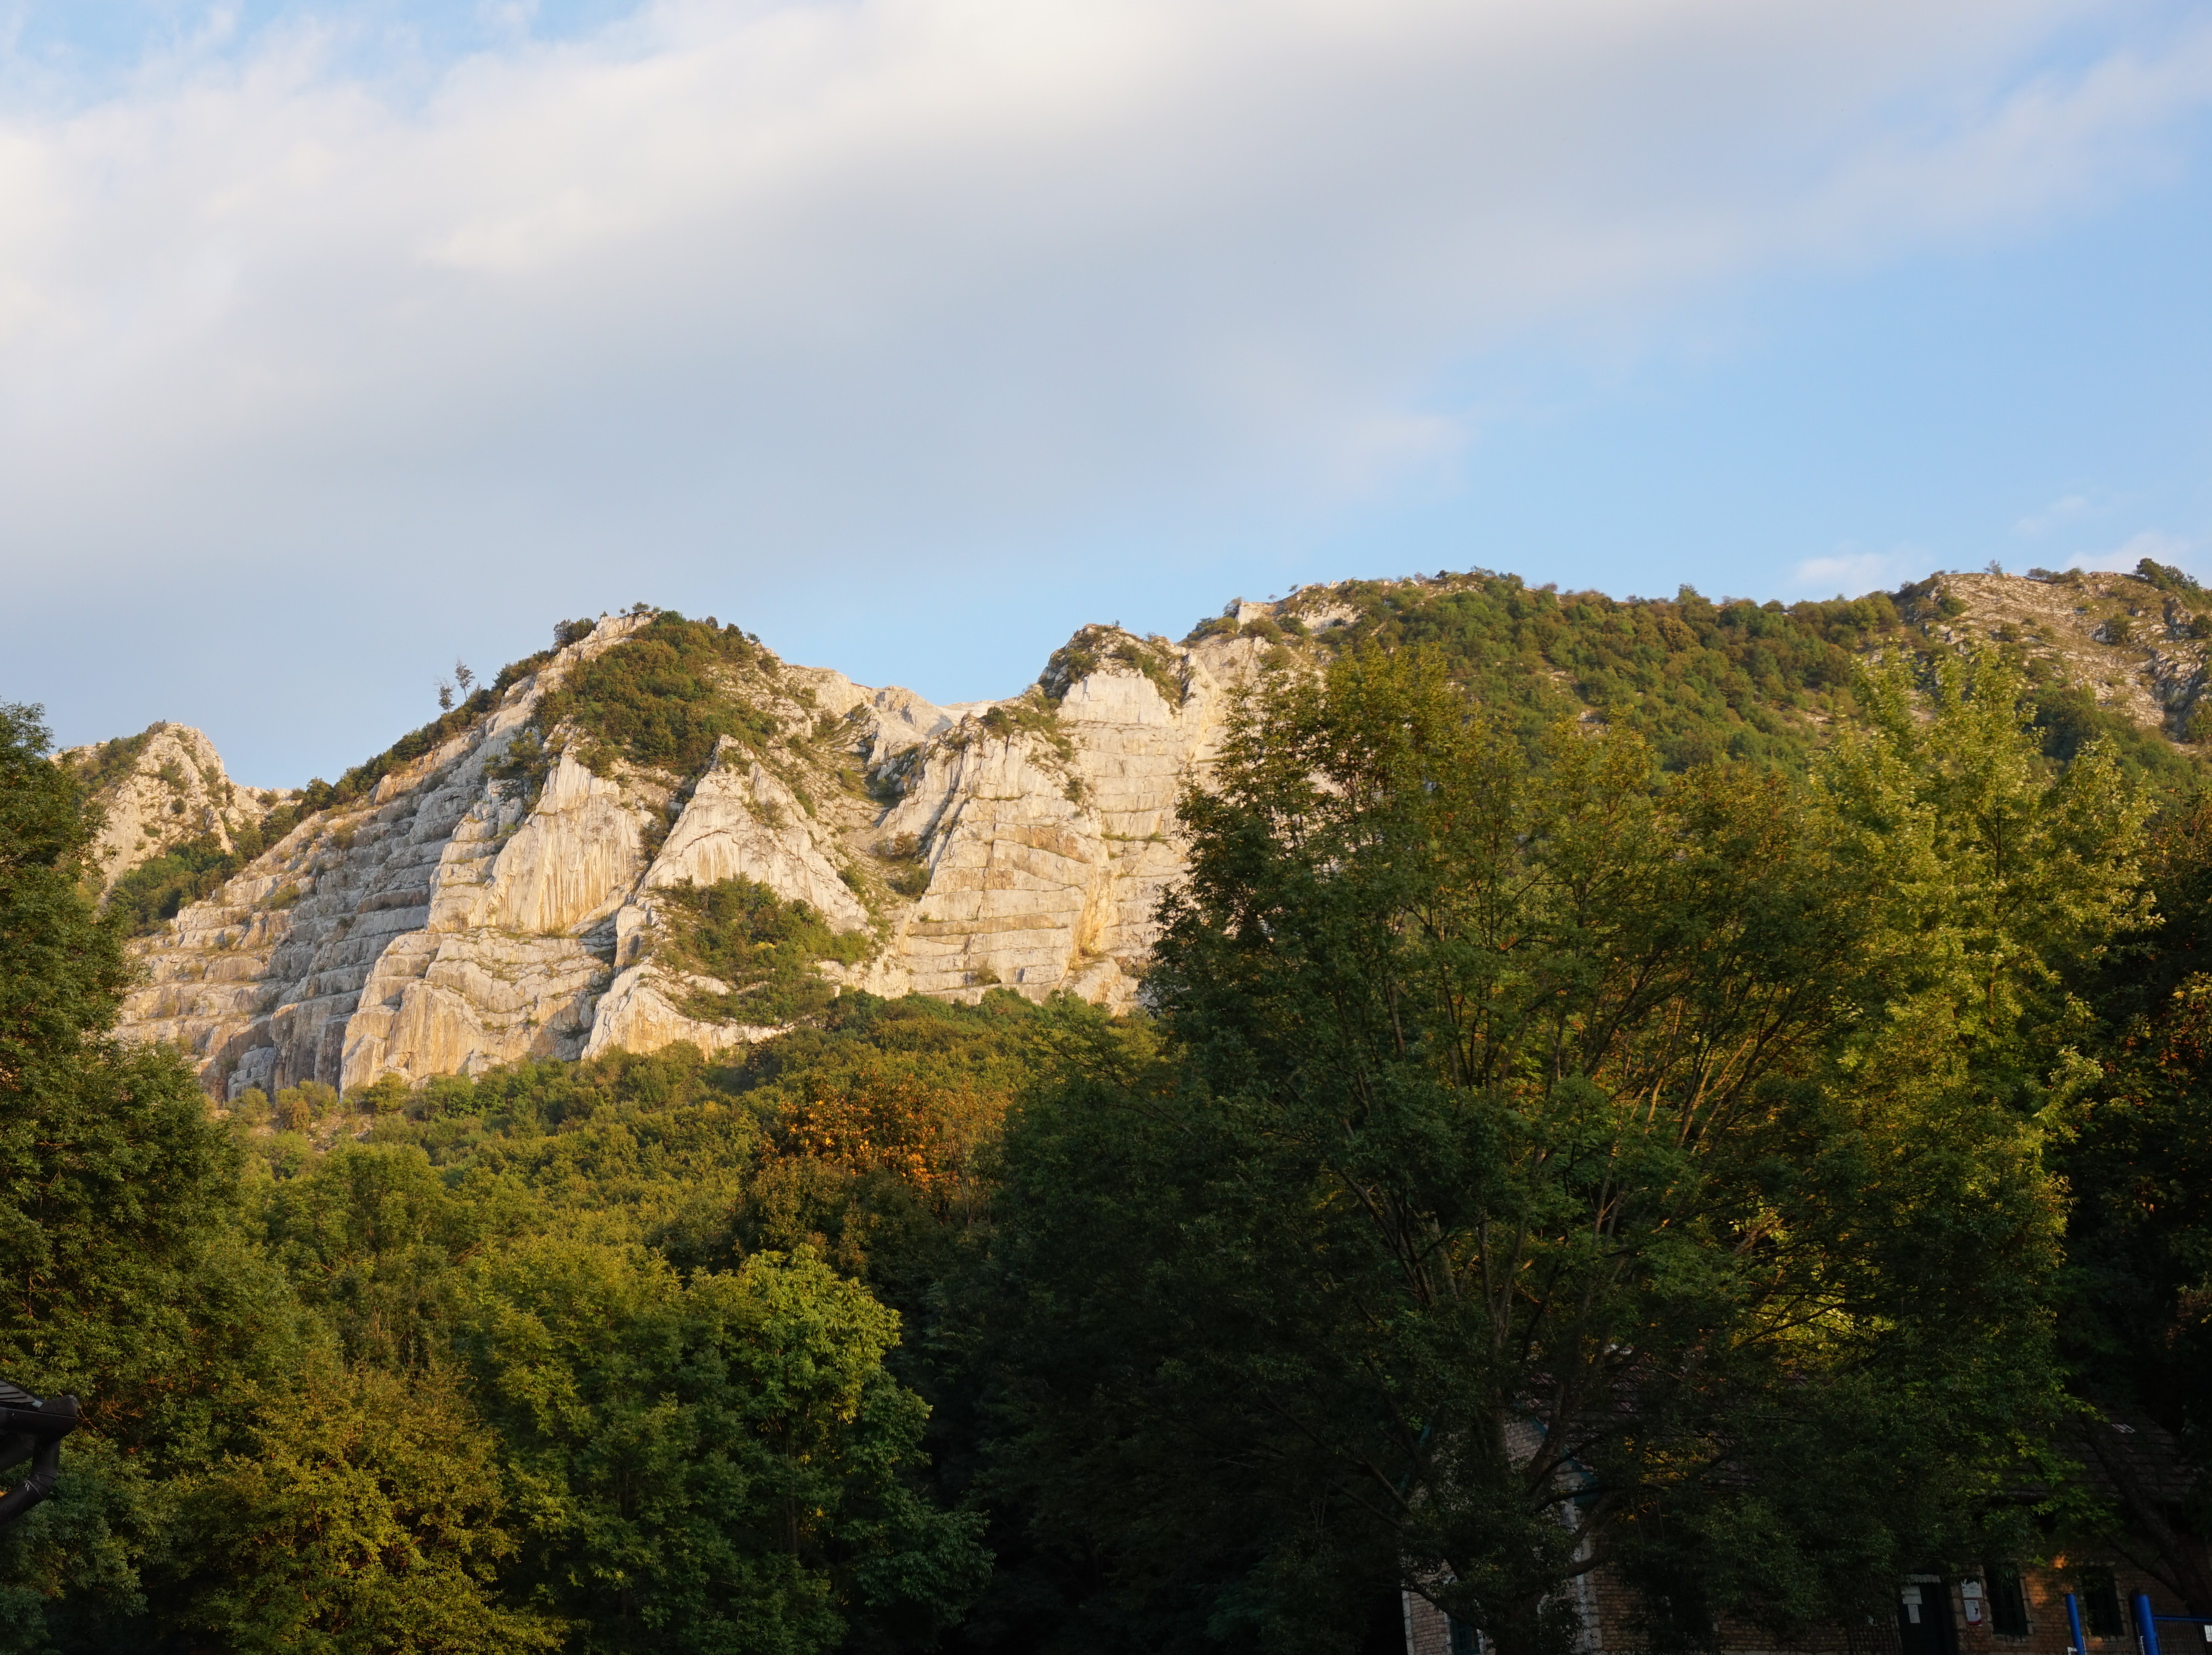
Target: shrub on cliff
{"x":1699,"y":680}
{"x":664,"y":696}
{"x":763,"y":946}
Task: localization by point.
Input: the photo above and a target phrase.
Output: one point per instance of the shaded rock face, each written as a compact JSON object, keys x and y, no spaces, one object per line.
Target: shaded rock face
{"x":451,"y":920}
{"x":160,"y":789}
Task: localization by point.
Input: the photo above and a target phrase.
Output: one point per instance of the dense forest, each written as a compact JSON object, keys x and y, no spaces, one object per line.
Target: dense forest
{"x":1742,"y":1139}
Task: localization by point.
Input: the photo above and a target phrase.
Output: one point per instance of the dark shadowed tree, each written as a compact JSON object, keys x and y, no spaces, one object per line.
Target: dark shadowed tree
{"x":126,"y":1281}
{"x":1550,"y":1165}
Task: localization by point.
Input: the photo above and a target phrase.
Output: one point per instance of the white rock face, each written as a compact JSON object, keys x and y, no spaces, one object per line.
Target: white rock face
{"x":444,"y":925}
{"x":168,"y":788}
{"x":567,"y":864}
{"x":1041,"y":885}
{"x":635,"y":1014}
{"x":744,"y":821}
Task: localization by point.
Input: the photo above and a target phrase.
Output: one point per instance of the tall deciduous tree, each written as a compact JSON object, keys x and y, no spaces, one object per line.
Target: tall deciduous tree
{"x":1550,"y":1166}
{"x":2136,"y":1317}
{"x":719,"y":1466}
{"x":123,"y":1279}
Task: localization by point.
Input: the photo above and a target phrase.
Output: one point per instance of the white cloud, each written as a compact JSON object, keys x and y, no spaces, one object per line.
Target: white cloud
{"x":2067,"y":508}
{"x":842,"y":273}
{"x":1853,"y":573}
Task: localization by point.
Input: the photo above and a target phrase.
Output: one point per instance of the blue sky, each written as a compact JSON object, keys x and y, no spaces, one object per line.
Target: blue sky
{"x":338,"y":340}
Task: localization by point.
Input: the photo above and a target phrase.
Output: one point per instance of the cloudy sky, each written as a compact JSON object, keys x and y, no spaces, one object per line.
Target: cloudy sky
{"x":338,"y":339}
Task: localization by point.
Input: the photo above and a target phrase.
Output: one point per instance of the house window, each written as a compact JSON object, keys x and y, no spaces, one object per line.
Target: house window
{"x":2101,"y":1602}
{"x":1465,"y":1639}
{"x":2007,"y":1600}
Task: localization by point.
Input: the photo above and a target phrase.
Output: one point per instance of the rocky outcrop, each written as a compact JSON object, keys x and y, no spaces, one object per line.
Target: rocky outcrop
{"x":2139,"y":650}
{"x":159,"y":789}
{"x":1045,"y":868}
{"x":742,"y":820}
{"x":450,"y":920}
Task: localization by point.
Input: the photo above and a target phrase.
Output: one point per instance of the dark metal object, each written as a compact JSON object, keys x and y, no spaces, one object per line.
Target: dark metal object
{"x":32,"y":1430}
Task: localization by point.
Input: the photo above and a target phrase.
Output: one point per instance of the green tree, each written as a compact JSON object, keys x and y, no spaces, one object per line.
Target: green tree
{"x":373,"y":1239}
{"x":2003,"y":878}
{"x":360,"y":1516}
{"x":1552,"y":1166}
{"x":2137,"y":1313}
{"x":2136,"y":1317}
{"x":714,"y":1465}
{"x":127,"y":1282}
{"x":297,"y":1108}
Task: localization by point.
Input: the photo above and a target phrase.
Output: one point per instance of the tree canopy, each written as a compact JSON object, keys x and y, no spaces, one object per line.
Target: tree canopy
{"x":1551,"y":1165}
{"x":1619,"y":1132}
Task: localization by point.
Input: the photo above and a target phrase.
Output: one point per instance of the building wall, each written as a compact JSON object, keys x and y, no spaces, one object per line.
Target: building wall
{"x":1614,"y":1609}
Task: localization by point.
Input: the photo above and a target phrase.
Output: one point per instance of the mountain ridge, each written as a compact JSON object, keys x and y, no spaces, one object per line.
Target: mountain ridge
{"x":534,"y":873}
{"x":512,"y":889}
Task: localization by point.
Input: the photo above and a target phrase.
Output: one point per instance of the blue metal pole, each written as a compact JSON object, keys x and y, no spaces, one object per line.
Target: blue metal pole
{"x":2147,"y":1622}
{"x":2073,"y":1619}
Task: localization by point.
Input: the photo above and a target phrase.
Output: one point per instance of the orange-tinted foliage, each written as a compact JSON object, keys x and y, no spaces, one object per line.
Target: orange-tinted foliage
{"x":885,"y":1116}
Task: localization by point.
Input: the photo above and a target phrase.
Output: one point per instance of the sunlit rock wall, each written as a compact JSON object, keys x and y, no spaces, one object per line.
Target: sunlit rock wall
{"x":443,"y":925}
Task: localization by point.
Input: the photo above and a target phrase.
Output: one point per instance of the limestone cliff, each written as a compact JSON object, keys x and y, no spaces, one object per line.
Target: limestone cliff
{"x":505,"y":892}
{"x":158,"y":790}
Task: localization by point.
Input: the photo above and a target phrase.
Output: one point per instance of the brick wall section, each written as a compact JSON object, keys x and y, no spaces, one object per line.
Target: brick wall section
{"x":2047,"y":1632}
{"x":1425,"y":1631}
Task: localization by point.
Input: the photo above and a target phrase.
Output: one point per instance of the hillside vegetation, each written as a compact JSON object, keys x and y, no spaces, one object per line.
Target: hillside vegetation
{"x":1764,"y":682}
{"x":1719,"y":1089}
